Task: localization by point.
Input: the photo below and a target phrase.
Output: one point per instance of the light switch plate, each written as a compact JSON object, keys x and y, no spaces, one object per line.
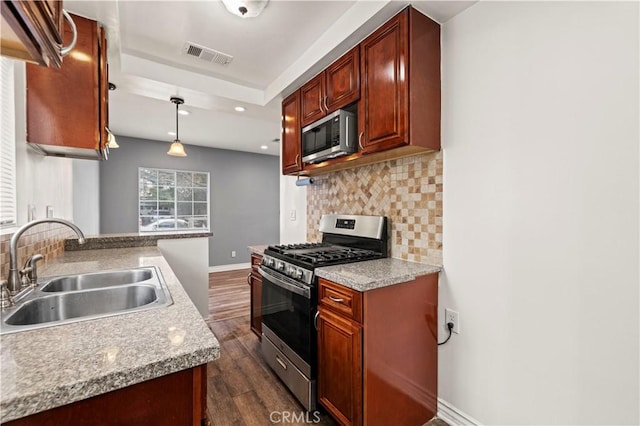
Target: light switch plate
{"x":49,"y":211}
{"x":31,"y":212}
{"x":292,"y":215}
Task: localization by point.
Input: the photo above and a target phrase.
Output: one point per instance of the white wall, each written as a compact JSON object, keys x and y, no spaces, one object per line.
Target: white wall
{"x":189,"y":260}
{"x":41,"y":181}
{"x":540,"y":138}
{"x":86,"y":195}
{"x":292,"y":197}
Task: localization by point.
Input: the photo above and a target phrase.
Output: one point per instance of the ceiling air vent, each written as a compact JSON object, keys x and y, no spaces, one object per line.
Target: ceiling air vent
{"x":206,"y":54}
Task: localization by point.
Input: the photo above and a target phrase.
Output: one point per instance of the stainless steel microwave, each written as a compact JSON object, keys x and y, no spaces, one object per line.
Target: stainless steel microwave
{"x":330,"y":137}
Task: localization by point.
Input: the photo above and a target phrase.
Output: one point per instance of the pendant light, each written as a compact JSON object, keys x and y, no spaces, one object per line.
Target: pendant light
{"x":112,"y":140}
{"x":177,"y":149}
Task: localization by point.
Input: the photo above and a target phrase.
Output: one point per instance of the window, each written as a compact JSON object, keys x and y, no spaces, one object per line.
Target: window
{"x":172,"y":200}
{"x":7,"y":146}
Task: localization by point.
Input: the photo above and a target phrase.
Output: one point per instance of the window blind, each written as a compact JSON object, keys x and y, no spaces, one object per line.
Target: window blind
{"x":7,"y":145}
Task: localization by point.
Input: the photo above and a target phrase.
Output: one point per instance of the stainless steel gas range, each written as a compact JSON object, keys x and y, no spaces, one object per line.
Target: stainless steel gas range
{"x":290,"y":294}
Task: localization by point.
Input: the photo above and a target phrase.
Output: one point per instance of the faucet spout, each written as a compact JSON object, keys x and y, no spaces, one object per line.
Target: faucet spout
{"x":14,"y":276}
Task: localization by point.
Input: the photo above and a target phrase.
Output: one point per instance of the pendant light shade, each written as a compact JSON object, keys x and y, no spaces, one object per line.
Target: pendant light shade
{"x":112,"y":140}
{"x":177,"y":149}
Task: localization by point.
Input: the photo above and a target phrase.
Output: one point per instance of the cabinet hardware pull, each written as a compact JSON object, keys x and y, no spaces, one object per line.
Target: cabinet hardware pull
{"x":282,"y":364}
{"x":336,"y":299}
{"x":326,"y":108}
{"x":315,"y":320}
{"x":64,"y":50}
{"x":360,"y":140}
{"x":297,"y":156}
{"x":249,"y":278}
{"x":320,"y":103}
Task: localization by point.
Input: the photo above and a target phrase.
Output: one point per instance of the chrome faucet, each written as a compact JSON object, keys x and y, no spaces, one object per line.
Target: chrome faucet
{"x":15,"y":284}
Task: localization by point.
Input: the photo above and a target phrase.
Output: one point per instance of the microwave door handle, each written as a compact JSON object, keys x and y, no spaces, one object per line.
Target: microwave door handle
{"x":304,"y":292}
{"x":347,"y":131}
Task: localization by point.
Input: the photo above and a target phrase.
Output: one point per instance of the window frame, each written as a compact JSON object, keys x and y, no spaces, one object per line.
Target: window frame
{"x":8,"y":148}
{"x":175,"y":216}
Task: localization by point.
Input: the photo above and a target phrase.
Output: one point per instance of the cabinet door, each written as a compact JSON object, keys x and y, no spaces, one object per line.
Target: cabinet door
{"x":32,"y":31}
{"x":343,"y":81}
{"x":312,"y":98}
{"x":103,"y":69}
{"x":63,"y":105}
{"x":255,"y":282}
{"x":383,"y":110}
{"x":291,"y":142}
{"x":340,"y":367}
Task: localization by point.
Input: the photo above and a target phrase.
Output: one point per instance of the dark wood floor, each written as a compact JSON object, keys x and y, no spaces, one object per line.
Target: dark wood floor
{"x":228,"y":294}
{"x":242,"y":389}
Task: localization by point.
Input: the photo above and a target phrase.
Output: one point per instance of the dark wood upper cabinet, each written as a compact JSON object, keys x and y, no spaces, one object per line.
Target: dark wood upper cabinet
{"x":67,"y":108}
{"x":332,"y":89}
{"x":400,"y":65}
{"x":312,"y":96}
{"x":397,"y":71}
{"x":32,"y":31}
{"x":291,"y":136}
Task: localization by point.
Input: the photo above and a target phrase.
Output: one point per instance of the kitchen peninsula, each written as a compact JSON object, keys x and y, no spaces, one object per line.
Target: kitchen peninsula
{"x":84,"y":365}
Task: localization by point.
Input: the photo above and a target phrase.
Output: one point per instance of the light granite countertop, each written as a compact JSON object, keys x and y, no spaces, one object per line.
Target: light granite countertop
{"x":106,"y":241}
{"x":54,"y":366}
{"x":257,"y":249}
{"x":372,"y":274}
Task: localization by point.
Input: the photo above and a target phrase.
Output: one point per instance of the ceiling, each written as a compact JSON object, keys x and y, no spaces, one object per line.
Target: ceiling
{"x":272,"y":55}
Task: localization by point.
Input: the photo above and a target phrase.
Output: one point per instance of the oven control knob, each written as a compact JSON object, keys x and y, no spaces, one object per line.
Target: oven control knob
{"x":280,"y":266}
{"x":298,"y":273}
{"x":270,"y":262}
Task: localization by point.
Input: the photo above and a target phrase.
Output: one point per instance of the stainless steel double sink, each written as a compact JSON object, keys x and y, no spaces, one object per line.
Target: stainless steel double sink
{"x":71,"y":298}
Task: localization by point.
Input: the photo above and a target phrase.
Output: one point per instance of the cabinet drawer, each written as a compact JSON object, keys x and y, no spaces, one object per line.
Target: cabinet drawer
{"x":340,"y":299}
{"x":256,"y":260}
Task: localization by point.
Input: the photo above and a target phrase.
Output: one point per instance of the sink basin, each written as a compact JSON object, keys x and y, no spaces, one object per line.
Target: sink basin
{"x":73,"y":298}
{"x":81,"y":304}
{"x":97,"y":280}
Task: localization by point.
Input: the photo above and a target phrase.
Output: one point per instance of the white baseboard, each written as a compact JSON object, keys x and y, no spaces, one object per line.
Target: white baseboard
{"x":230,"y":267}
{"x":454,"y":416}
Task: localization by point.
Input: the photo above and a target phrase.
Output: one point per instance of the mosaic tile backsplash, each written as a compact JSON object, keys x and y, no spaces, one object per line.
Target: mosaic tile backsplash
{"x":407,"y":190}
{"x":46,"y":239}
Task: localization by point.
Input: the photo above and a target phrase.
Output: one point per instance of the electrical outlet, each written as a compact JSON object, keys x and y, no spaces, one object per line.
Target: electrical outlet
{"x":452,"y":316}
{"x":292,"y":215}
{"x":49,"y":211}
{"x":233,"y":253}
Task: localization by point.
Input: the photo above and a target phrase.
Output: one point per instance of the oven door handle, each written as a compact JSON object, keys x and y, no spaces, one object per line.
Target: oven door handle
{"x":302,"y":291}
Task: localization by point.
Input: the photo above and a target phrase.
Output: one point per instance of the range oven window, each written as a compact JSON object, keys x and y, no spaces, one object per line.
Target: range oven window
{"x":289,"y":316}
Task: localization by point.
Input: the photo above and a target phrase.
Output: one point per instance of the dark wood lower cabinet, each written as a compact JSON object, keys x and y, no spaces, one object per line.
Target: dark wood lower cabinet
{"x":173,"y":400}
{"x":340,"y":378}
{"x":256,"y":303}
{"x":379,"y":366}
{"x":255,"y":283}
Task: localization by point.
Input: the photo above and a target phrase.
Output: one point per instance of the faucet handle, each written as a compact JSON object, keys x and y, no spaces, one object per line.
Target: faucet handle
{"x":6,"y":301}
{"x":33,"y":264}
{"x":29,"y":274}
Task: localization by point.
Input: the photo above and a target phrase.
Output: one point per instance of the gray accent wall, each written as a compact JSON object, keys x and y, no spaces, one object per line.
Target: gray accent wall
{"x":244,"y":195}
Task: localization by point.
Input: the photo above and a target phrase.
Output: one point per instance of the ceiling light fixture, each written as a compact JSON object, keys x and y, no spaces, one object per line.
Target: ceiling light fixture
{"x":171,"y":133}
{"x":177,"y":149}
{"x":240,"y":109}
{"x":245,"y":8}
{"x":264,"y":147}
{"x":184,"y":112}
